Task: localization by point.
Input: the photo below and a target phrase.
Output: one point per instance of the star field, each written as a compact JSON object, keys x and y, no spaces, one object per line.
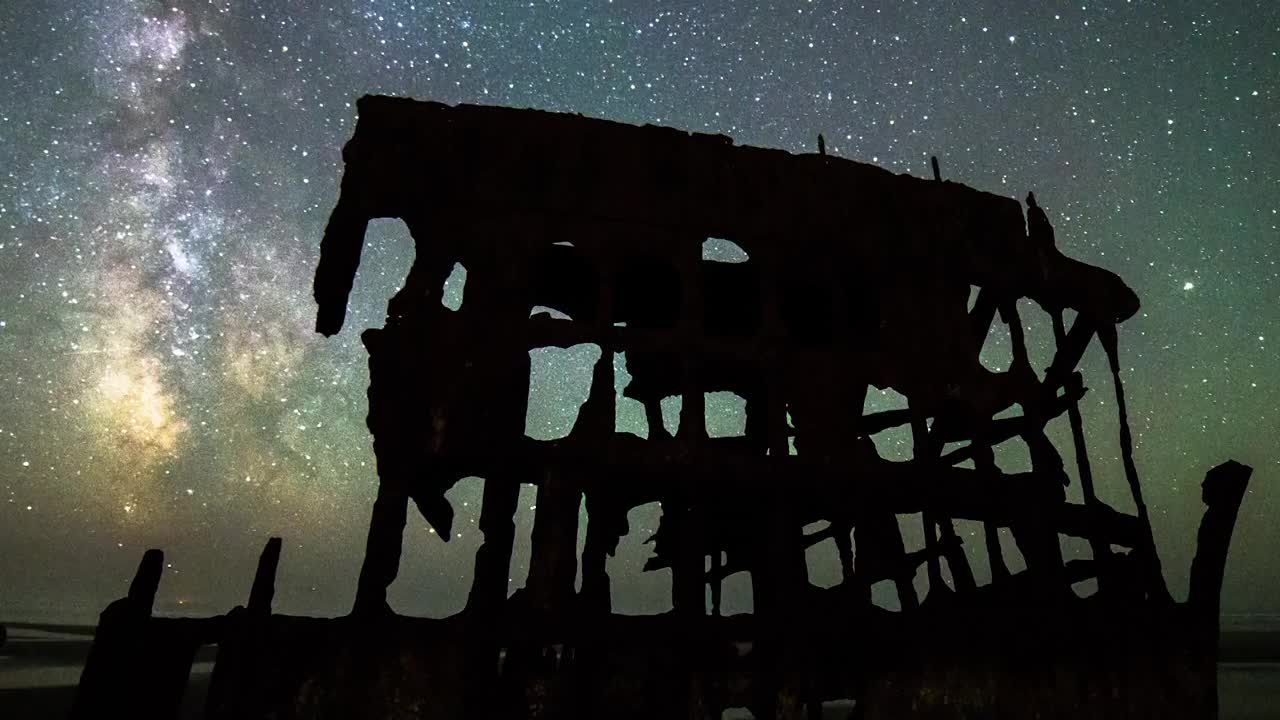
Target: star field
{"x":166,"y":171}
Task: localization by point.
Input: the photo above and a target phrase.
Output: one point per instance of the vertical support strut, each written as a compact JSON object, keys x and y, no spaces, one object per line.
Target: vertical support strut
{"x":553,"y":556}
{"x":395,"y":356}
{"x":390,"y":507}
{"x":715,"y":576}
{"x":1074,"y":383}
{"x":693,"y":421}
{"x":923,"y":455}
{"x":493,"y":558}
{"x":604,"y":526}
{"x":939,"y":529}
{"x":1037,"y":539}
{"x":980,"y":319}
{"x":1155,"y":576}
{"x":984,"y":462}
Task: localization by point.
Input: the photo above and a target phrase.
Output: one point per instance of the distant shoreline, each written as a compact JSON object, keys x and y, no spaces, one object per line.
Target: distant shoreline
{"x":51,"y":628}
{"x":1234,"y":646}
{"x":1249,"y":646}
{"x":40,"y":667}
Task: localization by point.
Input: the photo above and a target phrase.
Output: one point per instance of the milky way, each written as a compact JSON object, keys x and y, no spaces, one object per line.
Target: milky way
{"x":166,"y":171}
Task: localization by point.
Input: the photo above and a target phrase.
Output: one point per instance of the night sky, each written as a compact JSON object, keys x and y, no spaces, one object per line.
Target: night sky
{"x":166,"y":171}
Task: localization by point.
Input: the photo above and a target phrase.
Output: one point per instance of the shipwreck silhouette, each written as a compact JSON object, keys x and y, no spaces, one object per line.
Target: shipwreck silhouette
{"x":855,"y":278}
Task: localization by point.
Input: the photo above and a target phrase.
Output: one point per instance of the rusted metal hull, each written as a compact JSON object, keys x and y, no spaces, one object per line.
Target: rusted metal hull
{"x":856,"y":278}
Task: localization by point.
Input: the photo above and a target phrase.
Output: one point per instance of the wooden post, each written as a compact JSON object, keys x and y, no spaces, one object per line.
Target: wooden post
{"x":146,"y":581}
{"x":235,"y":689}
{"x":264,"y":580}
{"x":119,"y":677}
